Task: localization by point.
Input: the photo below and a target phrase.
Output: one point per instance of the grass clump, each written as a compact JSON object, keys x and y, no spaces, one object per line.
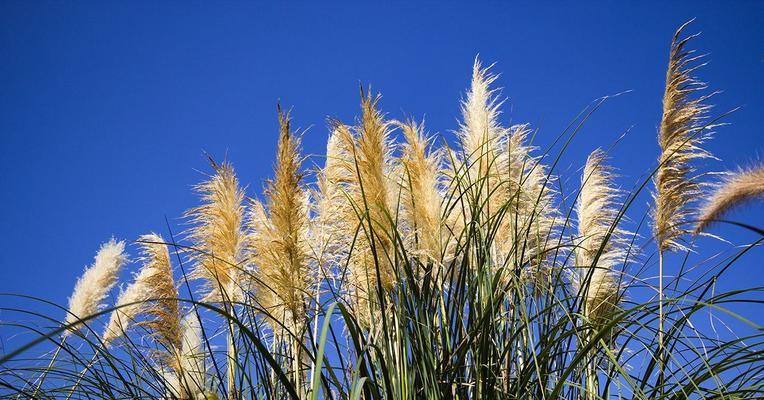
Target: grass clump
{"x":410,"y":269}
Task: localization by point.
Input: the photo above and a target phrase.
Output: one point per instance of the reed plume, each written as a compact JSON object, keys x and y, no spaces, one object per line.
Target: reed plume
{"x":218,"y":234}
{"x":479,"y":135}
{"x":677,"y":182}
{"x":528,"y":221}
{"x":359,"y":191}
{"x":736,"y":189}
{"x":152,"y":295}
{"x":474,"y":172}
{"x":280,"y":239}
{"x":95,"y":283}
{"x":219,"y":240}
{"x":682,"y":132}
{"x":330,"y":226}
{"x":187,"y":375}
{"x":600,"y":246}
{"x":480,"y":129}
{"x":421,"y":204}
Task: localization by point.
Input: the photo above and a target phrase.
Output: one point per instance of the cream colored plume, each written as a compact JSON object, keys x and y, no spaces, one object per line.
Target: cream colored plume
{"x":421,"y":203}
{"x":738,"y":188}
{"x":218,"y":237}
{"x":358,"y":191}
{"x":329,"y":226}
{"x":528,"y":222}
{"x":187,"y":375}
{"x":510,"y":186}
{"x":682,"y":131}
{"x":152,"y":297}
{"x":279,"y":239}
{"x":600,"y":244}
{"x":95,"y":283}
{"x":480,"y":130}
{"x":474,"y":173}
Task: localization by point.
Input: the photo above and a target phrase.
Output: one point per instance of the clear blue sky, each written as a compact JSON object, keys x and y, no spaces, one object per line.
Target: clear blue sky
{"x":106,"y":108}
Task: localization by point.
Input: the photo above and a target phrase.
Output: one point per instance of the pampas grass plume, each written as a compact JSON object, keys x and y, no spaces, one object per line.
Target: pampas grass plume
{"x":217,"y":234}
{"x":737,"y":188}
{"x":600,"y":245}
{"x":152,"y":294}
{"x":681,"y":133}
{"x":280,"y":237}
{"x":94,"y":284}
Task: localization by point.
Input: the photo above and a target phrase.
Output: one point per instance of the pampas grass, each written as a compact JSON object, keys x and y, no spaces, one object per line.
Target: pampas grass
{"x":360,"y":186}
{"x":279,"y":240}
{"x":95,"y":283}
{"x":737,"y":188}
{"x":218,"y":246}
{"x":152,"y":295}
{"x":421,"y":204}
{"x":187,"y":374}
{"x":433,"y":272}
{"x":218,"y":234}
{"x":601,"y":248}
{"x":682,"y":131}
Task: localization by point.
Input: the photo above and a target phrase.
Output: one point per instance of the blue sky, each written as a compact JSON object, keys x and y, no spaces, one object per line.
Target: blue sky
{"x":106,"y":108}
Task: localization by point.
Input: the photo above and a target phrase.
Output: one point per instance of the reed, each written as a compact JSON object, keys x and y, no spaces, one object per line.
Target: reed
{"x":683,"y":129}
{"x":281,"y":249}
{"x":218,"y":241}
{"x":601,"y":247}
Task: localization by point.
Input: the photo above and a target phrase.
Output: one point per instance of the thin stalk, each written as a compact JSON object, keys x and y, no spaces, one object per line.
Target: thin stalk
{"x":660,"y":321}
{"x":231,"y":366}
{"x":82,"y":375}
{"x":41,"y":379}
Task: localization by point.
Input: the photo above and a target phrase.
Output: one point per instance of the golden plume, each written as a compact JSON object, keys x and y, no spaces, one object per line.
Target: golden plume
{"x":738,"y":188}
{"x":600,"y":245}
{"x":280,"y":239}
{"x":218,"y":235}
{"x":153,"y":295}
{"x":95,"y":283}
{"x":681,"y":133}
{"x":356,"y":203}
{"x":421,"y":204}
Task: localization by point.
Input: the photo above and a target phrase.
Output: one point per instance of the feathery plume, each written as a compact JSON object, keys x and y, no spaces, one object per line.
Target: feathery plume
{"x":358,"y":193}
{"x":187,"y":376}
{"x":329,"y":225}
{"x":95,"y":283}
{"x":738,"y":188}
{"x":480,"y":129}
{"x":681,"y":133}
{"x":152,"y":294}
{"x":600,"y":246}
{"x":421,"y":204}
{"x":528,"y":222}
{"x":280,"y":238}
{"x":217,"y":234}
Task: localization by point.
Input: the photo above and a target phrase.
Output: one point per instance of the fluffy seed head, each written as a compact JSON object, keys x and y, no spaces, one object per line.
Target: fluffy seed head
{"x":600,"y":244}
{"x":95,"y":283}
{"x":279,"y":238}
{"x":152,"y":295}
{"x":681,"y":133}
{"x":218,"y":235}
{"x":187,"y":375}
{"x":737,"y":188}
{"x":421,"y":204}
{"x":358,"y":193}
